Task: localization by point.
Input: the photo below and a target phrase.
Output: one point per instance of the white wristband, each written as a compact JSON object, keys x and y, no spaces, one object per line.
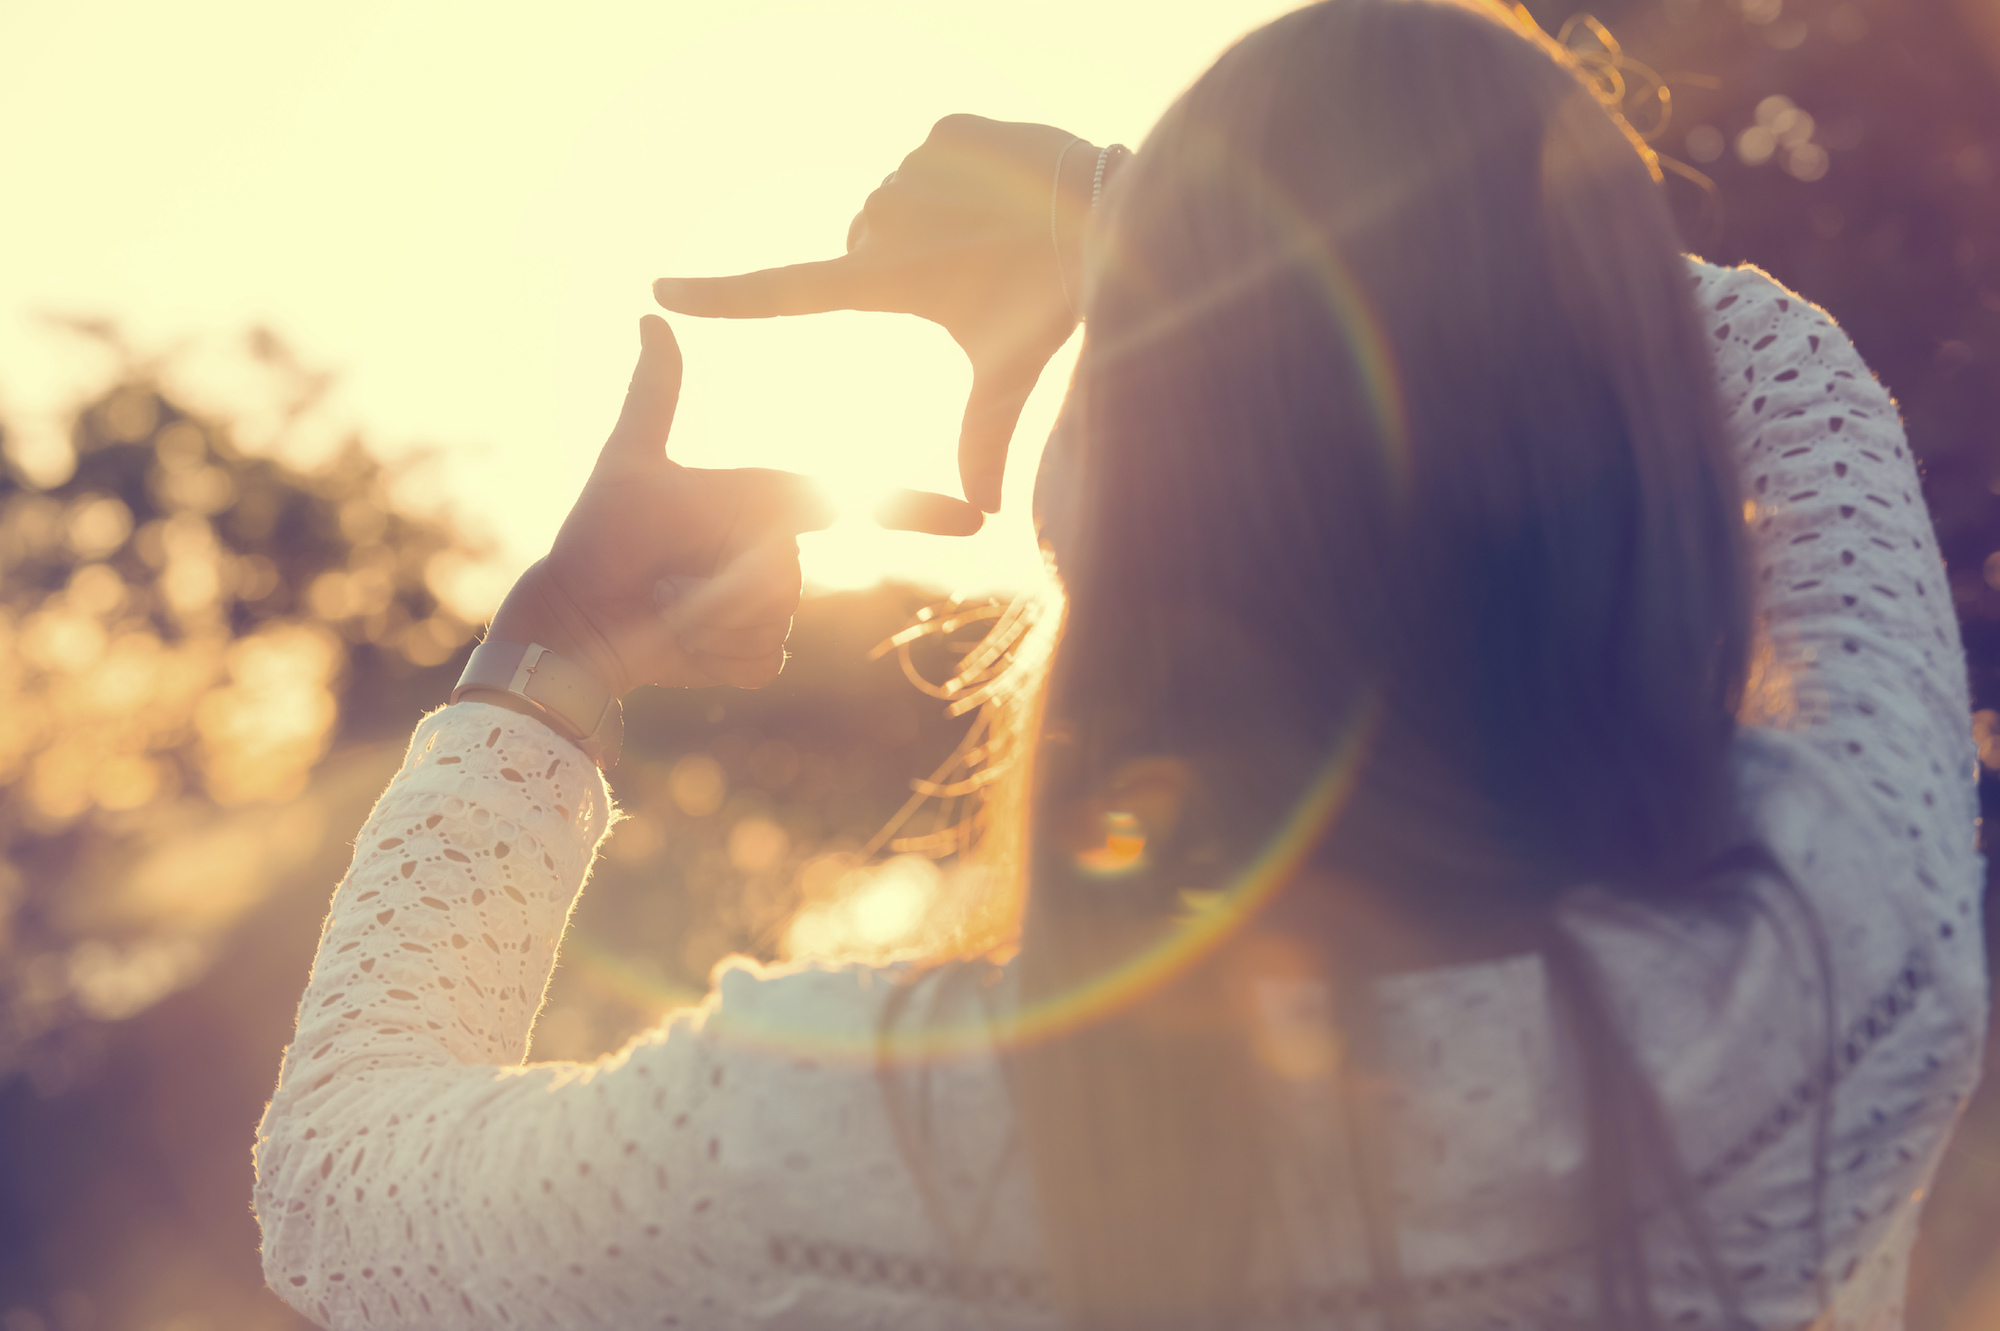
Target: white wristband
{"x":568,"y":696}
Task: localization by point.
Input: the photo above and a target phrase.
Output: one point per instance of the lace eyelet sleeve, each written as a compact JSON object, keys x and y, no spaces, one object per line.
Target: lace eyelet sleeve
{"x":405,"y":1070}
{"x":1863,"y":659}
{"x":1857,"y":987}
{"x":413,"y":1172}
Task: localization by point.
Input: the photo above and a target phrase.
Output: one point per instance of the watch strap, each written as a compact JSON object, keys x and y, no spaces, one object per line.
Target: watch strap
{"x":567,"y":695}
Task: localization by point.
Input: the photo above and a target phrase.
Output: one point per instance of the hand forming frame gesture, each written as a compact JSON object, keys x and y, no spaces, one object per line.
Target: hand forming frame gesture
{"x":980,"y":231}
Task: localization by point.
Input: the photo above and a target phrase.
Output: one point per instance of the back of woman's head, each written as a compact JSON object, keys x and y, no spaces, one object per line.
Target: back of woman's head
{"x":1393,"y":412}
{"x":1391,"y":370}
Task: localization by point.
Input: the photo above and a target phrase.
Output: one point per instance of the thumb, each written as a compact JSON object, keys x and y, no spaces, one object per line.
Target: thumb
{"x":777,"y":504}
{"x":654,"y":392}
{"x":932,"y":514}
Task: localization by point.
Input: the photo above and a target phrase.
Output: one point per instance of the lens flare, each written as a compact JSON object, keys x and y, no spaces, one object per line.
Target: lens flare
{"x":1122,"y":850}
{"x":1304,"y":248}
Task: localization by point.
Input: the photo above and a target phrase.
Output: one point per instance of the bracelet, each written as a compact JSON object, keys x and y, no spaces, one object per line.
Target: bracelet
{"x":1055,"y":240}
{"x":1111,"y":153}
{"x":1107,"y":157}
{"x":565,"y":695}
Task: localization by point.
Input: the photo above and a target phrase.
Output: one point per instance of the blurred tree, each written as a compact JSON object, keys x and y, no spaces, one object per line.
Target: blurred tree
{"x":180,"y":623}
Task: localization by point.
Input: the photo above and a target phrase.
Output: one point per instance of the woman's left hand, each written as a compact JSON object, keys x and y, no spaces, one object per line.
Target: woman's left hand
{"x":979,"y":230}
{"x":664,"y":574}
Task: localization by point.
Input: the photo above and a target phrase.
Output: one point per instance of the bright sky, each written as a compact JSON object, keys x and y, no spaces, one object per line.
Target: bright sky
{"x":458,"y":208}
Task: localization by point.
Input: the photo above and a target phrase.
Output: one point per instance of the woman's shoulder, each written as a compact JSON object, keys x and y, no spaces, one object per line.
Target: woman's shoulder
{"x":837,"y":1093}
{"x":817,"y":1043}
{"x":858,"y":1010}
{"x":1833,"y":873}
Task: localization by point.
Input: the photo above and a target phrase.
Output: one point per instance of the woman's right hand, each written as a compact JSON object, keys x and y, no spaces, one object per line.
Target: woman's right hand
{"x":664,"y":574}
{"x":979,"y":230}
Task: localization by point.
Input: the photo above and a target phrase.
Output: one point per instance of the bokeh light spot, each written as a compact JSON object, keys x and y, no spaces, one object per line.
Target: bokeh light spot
{"x":878,"y":910}
{"x":697,"y":785}
{"x":757,"y":845}
{"x":1121,"y":850}
{"x":1755,"y":145}
{"x":1705,"y":143}
{"x":1986,"y":737}
{"x":129,"y":415}
{"x":98,"y":525}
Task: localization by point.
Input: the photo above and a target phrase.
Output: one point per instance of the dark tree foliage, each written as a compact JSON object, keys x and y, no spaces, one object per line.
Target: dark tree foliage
{"x":182,"y":621}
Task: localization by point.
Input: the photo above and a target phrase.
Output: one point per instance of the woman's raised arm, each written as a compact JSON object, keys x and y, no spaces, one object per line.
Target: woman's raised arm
{"x":1864,"y":656}
{"x":411,"y":1172}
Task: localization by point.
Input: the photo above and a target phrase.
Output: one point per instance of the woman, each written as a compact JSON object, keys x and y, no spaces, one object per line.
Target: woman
{"x":1414,"y":935}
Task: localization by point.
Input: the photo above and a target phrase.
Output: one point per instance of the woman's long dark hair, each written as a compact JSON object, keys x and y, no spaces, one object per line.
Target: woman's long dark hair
{"x":1393,"y":412}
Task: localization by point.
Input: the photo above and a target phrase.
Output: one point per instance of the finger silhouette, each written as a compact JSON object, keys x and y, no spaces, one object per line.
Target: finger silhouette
{"x":775,"y":504}
{"x":801,"y":288}
{"x":655,"y":390}
{"x":990,"y":416}
{"x":932,"y":514}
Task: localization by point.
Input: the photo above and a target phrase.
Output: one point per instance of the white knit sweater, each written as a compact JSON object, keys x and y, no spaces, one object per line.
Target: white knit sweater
{"x":735,"y":1167}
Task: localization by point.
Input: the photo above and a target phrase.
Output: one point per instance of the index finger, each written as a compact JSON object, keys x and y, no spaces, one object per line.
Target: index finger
{"x":929,"y":513}
{"x":800,"y":288}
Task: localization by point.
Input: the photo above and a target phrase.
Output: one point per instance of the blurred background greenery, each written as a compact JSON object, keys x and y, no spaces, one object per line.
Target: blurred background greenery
{"x":211,"y":653}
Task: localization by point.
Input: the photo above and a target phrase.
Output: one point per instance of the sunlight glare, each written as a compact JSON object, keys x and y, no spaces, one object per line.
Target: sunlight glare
{"x":459,"y":216}
{"x":874,"y":911}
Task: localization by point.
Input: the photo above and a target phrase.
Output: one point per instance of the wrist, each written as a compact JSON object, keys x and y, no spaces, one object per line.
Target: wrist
{"x":537,"y":609}
{"x":1072,"y":212}
{"x":1083,"y":182}
{"x":535,"y":680}
{"x":502,"y":698}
